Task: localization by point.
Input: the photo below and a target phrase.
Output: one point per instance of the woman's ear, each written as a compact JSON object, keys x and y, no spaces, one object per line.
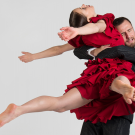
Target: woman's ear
{"x":88,"y":19}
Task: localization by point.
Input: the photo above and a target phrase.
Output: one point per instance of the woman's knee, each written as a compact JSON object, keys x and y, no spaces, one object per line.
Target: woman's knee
{"x":61,"y":110}
{"x":60,"y":106}
{"x":121,"y":77}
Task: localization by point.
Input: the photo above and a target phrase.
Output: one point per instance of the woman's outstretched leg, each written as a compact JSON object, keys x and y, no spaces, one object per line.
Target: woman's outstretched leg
{"x":122,"y":85}
{"x":71,"y":100}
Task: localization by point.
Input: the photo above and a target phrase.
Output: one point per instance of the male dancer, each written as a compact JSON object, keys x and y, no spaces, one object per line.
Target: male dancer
{"x":117,"y":125}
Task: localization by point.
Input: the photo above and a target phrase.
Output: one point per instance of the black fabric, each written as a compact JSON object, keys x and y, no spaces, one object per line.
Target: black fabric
{"x":115,"y":126}
{"x":133,"y":67}
{"x":129,"y":117}
{"x":123,"y":52}
{"x":82,"y":52}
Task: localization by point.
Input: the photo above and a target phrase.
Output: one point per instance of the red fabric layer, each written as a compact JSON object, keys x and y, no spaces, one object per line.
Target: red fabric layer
{"x":94,"y":84}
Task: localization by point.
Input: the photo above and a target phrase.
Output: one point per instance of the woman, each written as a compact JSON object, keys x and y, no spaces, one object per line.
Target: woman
{"x":74,"y":97}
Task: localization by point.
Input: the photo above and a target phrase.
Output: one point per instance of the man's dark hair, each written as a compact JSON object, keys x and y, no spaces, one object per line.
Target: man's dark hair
{"x":120,"y":20}
{"x":77,"y":20}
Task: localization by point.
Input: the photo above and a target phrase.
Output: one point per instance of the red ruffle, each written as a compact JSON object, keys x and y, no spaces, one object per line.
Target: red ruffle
{"x":94,"y":84}
{"x":103,"y":109}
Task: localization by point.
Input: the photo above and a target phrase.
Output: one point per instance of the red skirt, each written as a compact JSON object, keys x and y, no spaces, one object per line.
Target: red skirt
{"x":94,"y":84}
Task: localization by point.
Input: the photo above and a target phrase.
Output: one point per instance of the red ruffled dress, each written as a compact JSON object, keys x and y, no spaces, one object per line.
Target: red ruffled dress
{"x":97,"y":77}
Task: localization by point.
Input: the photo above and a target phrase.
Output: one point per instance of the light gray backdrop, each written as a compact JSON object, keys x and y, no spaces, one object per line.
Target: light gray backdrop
{"x":32,"y":26}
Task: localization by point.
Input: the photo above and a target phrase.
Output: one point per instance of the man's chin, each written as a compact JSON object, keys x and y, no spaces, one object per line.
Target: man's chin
{"x":130,"y":44}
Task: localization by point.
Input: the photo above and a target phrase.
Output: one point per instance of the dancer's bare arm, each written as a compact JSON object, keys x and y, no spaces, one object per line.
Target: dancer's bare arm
{"x":90,"y":28}
{"x":53,"y":51}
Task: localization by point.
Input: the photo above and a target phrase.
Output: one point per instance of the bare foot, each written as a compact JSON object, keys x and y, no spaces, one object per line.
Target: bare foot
{"x":8,"y":114}
{"x":126,"y":90}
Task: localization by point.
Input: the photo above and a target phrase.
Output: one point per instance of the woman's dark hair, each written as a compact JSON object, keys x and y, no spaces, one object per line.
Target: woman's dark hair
{"x":77,"y":20}
{"x":120,"y":20}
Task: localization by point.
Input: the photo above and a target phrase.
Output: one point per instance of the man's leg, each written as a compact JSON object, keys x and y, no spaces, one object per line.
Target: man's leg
{"x":89,"y":128}
{"x":115,"y":126}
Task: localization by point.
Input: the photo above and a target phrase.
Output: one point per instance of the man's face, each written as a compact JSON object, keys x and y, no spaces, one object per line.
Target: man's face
{"x":127,"y":32}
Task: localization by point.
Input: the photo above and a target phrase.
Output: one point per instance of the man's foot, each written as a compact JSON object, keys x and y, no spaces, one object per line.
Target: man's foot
{"x":8,"y":114}
{"x":126,"y":90}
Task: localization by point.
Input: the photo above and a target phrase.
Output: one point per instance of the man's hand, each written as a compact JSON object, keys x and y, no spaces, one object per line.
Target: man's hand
{"x":27,"y":57}
{"x":96,"y":51}
{"x":68,"y":33}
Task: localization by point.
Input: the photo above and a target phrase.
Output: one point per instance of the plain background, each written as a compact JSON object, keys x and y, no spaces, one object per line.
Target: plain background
{"x":32,"y":26}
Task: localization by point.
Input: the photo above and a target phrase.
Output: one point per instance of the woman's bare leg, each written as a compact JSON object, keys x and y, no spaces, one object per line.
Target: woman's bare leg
{"x":71,"y":100}
{"x":122,"y":85}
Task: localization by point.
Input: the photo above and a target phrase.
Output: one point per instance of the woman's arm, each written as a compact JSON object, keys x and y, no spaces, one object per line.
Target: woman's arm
{"x":53,"y":51}
{"x":90,"y":28}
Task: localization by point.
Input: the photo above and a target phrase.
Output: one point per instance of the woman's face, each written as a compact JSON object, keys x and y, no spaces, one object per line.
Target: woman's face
{"x":86,"y":10}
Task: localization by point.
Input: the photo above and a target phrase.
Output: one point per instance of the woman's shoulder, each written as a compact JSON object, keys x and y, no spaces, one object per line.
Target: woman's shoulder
{"x":108,"y":16}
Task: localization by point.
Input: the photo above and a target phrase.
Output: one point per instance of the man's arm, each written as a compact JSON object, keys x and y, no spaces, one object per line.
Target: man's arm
{"x":123,"y":52}
{"x":82,"y":52}
{"x":89,"y":52}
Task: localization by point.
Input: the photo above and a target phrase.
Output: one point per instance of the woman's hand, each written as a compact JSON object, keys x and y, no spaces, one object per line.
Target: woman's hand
{"x":27,"y":57}
{"x":96,"y":51}
{"x":68,"y":33}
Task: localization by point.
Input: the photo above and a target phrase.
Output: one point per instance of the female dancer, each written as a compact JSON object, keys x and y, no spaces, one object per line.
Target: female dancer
{"x":80,"y":93}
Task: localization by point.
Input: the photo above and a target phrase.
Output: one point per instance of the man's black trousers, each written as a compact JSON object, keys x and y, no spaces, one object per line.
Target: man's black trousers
{"x":115,"y":126}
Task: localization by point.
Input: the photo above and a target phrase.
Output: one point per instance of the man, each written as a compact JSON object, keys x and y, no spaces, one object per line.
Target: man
{"x":117,"y":125}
